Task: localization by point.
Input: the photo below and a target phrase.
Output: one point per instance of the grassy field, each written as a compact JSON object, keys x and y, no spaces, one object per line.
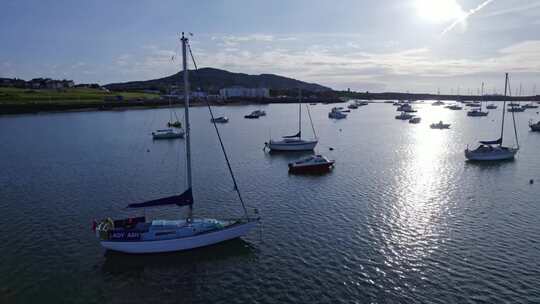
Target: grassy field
{"x":73,"y":95}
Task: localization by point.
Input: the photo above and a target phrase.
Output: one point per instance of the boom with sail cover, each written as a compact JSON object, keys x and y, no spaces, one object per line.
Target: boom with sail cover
{"x":184,"y":199}
{"x":293,"y":136}
{"x":492,"y":142}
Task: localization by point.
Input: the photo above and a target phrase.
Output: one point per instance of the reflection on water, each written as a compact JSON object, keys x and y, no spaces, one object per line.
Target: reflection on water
{"x":413,"y":219}
{"x":116,"y":263}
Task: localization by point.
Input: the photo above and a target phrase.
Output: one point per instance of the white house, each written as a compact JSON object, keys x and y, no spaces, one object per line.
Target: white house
{"x":198,"y":94}
{"x":238,"y":91}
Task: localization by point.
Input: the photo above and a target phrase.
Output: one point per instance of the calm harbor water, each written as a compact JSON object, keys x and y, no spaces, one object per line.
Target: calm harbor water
{"x":402,"y":218}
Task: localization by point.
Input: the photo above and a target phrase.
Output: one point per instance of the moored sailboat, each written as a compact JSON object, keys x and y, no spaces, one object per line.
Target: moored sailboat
{"x":137,"y":235}
{"x":494,"y":150}
{"x":167,"y":134}
{"x":170,"y":133}
{"x":295,"y":142}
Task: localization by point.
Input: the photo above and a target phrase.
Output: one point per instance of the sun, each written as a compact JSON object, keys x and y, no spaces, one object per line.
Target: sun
{"x":439,"y":11}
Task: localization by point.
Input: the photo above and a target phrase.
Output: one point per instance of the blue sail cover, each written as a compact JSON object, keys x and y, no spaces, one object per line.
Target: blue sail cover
{"x":492,"y":142}
{"x":183,"y":199}
{"x":293,"y":136}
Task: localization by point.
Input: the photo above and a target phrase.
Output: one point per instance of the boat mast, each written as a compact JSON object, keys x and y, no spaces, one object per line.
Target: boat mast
{"x":186,"y":109}
{"x":300,"y":113}
{"x":514,"y":122}
{"x":481,"y":96}
{"x":504,"y":106}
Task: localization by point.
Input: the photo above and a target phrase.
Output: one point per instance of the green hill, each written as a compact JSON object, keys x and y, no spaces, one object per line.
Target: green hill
{"x":210,"y":79}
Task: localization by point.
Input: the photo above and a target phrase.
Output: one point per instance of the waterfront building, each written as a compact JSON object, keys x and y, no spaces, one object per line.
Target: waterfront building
{"x":238,"y":91}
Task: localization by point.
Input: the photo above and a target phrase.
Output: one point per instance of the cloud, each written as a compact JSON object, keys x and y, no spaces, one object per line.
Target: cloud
{"x":6,"y":69}
{"x":235,"y":40}
{"x":341,"y":68}
{"x":516,"y":9}
{"x":78,"y":65}
{"x":153,"y":62}
{"x":337,"y":65}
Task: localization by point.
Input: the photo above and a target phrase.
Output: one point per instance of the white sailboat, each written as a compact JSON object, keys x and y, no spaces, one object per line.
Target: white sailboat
{"x":478,"y":112}
{"x":167,"y":134}
{"x":494,"y":150}
{"x":137,"y":235}
{"x":170,"y":133}
{"x":295,"y":142}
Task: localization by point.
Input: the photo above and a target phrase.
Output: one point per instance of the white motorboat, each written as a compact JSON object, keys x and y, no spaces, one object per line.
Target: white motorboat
{"x":311,"y":164}
{"x":406,"y":108}
{"x":259,"y":112}
{"x":415,"y":120}
{"x":455,"y":107}
{"x":516,"y":109}
{"x":335,"y":113}
{"x":295,"y":142}
{"x":220,"y":119}
{"x":530,"y":106}
{"x":404,"y":116}
{"x":361,"y":103}
{"x":477,"y":113}
{"x":535,"y":126}
{"x":494,"y":150}
{"x":167,"y":134}
{"x":137,"y":235}
{"x":255,"y":114}
{"x":439,"y":125}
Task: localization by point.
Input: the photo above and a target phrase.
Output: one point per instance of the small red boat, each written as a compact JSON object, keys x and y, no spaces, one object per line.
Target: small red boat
{"x":311,"y":164}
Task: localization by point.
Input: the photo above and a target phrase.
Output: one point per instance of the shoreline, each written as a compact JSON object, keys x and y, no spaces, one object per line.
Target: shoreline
{"x":67,"y":106}
{"x":15,"y":108}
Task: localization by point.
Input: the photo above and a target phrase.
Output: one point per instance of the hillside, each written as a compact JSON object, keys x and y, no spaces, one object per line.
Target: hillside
{"x":210,"y":79}
{"x":71,"y":95}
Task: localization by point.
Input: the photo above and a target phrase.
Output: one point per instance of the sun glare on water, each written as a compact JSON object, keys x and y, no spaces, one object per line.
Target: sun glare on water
{"x":439,"y":11}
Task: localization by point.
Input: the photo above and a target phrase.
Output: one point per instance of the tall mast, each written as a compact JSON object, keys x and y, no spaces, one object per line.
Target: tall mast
{"x":300,"y":112}
{"x":504,"y":106}
{"x":481,"y":96}
{"x":186,"y":109}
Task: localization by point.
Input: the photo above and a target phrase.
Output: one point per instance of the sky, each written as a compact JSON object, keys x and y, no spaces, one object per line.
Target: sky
{"x":377,"y":46}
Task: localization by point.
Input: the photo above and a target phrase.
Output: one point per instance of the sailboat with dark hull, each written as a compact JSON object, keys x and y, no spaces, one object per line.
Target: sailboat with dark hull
{"x":493,"y":150}
{"x":139,"y":235}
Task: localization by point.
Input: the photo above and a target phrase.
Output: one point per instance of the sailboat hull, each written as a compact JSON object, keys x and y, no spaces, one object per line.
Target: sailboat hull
{"x":169,"y":135}
{"x":296,"y":145}
{"x":495,"y":155}
{"x":183,"y":243}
